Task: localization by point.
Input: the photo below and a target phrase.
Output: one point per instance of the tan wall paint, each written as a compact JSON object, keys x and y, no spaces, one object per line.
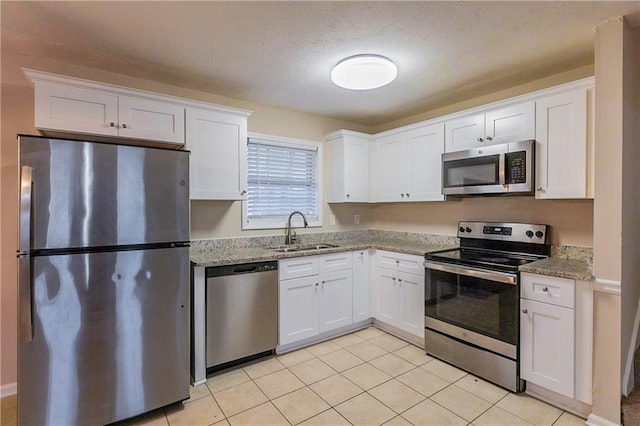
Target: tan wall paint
{"x":613,"y":59}
{"x":571,"y":220}
{"x":630,"y":193}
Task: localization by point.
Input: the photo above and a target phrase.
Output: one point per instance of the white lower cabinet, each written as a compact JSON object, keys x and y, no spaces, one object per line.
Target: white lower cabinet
{"x":547,"y":333}
{"x":399,"y":294}
{"x":362,"y":300}
{"x":318,"y":301}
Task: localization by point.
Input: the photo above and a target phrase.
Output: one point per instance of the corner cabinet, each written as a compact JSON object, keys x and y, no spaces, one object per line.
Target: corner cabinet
{"x":565,"y":145}
{"x":217,"y":139}
{"x":348,"y":156}
{"x":78,"y":106}
{"x":408,"y":164}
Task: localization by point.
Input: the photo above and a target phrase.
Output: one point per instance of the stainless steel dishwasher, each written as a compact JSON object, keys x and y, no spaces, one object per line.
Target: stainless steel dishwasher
{"x":242,"y":312}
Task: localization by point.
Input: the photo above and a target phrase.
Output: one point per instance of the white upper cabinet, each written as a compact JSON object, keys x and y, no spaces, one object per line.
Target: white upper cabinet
{"x":408,"y":164}
{"x":348,"y":166}
{"x":217,"y":140}
{"x":509,"y":124}
{"x":562,"y":151}
{"x":90,"y":110}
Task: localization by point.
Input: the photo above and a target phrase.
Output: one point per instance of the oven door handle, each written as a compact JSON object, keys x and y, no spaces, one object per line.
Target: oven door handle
{"x":473,"y":272}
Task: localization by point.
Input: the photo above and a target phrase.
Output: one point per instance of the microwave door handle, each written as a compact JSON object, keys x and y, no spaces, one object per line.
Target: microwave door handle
{"x":502,"y":171}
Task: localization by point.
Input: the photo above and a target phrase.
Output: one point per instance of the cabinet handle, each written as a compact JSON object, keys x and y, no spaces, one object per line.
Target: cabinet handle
{"x":322,"y":282}
{"x":524,"y":311}
{"x":361,"y":253}
{"x":112,"y":124}
{"x":480,"y":140}
{"x":317,"y":284}
{"x":407,"y":195}
{"x":489,"y":138}
{"x":347,"y":195}
{"x":402,"y":195}
{"x":243,"y":192}
{"x":399,"y":280}
{"x":539,"y":188}
{"x":545,"y":289}
{"x":393,"y":279}
{"x":124,"y":126}
{"x":397,"y":262}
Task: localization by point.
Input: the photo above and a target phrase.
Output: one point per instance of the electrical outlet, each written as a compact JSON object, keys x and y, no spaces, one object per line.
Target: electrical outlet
{"x":356,"y":219}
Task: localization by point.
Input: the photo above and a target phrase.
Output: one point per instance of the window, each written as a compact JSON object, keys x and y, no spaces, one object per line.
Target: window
{"x":283,"y":176}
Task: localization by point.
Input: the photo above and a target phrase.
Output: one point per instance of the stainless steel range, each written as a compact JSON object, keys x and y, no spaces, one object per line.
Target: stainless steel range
{"x":472,"y":297}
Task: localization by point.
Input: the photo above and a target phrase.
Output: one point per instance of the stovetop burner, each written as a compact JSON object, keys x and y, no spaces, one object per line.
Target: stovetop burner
{"x":497,"y":246}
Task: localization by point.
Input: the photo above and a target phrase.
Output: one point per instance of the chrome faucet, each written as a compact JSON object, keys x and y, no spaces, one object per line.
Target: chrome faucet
{"x":289,"y":238}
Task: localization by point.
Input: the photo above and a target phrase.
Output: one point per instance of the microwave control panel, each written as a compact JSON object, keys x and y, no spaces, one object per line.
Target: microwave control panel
{"x":516,"y":167}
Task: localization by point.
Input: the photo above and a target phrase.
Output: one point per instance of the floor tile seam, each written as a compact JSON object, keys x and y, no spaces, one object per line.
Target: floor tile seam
{"x":309,"y":384}
{"x":279,"y":411}
{"x":322,"y":412}
{"x":527,"y":420}
{"x":405,"y":410}
{"x":247,"y":409}
{"x":455,"y":414}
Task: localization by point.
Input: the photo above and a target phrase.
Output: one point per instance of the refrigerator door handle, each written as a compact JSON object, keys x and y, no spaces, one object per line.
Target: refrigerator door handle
{"x":24,"y":262}
{"x":26,"y":189}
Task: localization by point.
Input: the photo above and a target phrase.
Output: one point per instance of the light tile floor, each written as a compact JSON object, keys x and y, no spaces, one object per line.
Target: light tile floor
{"x":365,"y":378}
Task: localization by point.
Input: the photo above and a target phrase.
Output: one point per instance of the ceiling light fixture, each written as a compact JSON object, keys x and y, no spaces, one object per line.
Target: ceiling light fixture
{"x":364,"y":72}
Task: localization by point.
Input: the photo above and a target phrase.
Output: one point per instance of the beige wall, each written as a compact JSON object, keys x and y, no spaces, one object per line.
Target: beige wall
{"x":616,"y":210}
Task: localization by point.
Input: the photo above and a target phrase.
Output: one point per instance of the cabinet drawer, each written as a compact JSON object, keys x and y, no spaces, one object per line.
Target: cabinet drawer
{"x":334,"y":262}
{"x":556,"y":291}
{"x":297,"y":267}
{"x":400,"y":262}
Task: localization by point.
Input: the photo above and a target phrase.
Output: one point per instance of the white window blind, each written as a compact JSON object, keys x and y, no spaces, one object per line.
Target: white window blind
{"x":282,"y":178}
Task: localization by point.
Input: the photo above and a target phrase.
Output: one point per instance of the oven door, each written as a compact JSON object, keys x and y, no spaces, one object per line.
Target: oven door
{"x":473,"y":305}
{"x":476,"y":171}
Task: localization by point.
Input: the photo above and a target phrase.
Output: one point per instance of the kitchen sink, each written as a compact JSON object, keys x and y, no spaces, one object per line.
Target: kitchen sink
{"x":292,"y":248}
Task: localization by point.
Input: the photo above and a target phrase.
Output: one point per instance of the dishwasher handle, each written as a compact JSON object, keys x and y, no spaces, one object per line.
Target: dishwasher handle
{"x":242,"y":268}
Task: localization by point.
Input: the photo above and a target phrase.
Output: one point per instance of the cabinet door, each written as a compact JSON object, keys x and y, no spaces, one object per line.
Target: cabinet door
{"x":335,"y":300}
{"x":561,"y":151}
{"x":411,"y":303}
{"x":464,"y":133}
{"x":356,"y":169}
{"x":387,"y":296}
{"x":510,"y":124}
{"x":361,"y":286}
{"x":218,"y":145}
{"x":152,"y":120}
{"x":547,"y":349}
{"x":64,"y":108}
{"x":391,"y":168}
{"x":298,"y":314}
{"x":425,"y":146}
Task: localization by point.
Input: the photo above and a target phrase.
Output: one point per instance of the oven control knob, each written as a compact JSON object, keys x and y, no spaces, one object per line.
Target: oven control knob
{"x":461,"y":229}
{"x":529,"y":233}
{"x":539,"y":234}
{"x":467,"y":229}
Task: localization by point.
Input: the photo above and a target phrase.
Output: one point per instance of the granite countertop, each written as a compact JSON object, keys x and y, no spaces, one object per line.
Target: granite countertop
{"x":232,"y":255}
{"x":573,"y":269}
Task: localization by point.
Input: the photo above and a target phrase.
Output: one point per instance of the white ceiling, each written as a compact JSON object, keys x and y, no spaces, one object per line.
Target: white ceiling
{"x":281,"y":53}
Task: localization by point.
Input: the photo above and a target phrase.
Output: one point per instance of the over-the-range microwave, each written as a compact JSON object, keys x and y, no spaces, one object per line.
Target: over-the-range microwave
{"x":505,"y":169}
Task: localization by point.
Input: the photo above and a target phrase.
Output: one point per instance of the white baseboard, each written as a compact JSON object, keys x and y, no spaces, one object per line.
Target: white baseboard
{"x":8,"y":389}
{"x":594,"y":420}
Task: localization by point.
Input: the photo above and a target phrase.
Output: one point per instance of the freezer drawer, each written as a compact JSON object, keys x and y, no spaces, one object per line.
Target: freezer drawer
{"x":242,"y":311}
{"x":110,"y":337}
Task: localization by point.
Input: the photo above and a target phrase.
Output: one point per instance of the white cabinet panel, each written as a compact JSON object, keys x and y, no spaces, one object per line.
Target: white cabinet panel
{"x":554,"y":290}
{"x":146,"y":119}
{"x":399,"y":284}
{"x":218,"y":145}
{"x":425,"y":146}
{"x":548,"y":346}
{"x":349,"y":167}
{"x":390,"y":170}
{"x":297,"y":267}
{"x":335,"y":300}
{"x":411,"y":309}
{"x":362,"y":289}
{"x":508,"y":124}
{"x":73,"y":109}
{"x":561,"y":156}
{"x":334,"y":262}
{"x":298,"y":316}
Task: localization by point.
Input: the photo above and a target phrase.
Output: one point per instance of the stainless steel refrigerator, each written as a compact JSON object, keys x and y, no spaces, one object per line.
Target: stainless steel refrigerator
{"x":103,"y":281}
